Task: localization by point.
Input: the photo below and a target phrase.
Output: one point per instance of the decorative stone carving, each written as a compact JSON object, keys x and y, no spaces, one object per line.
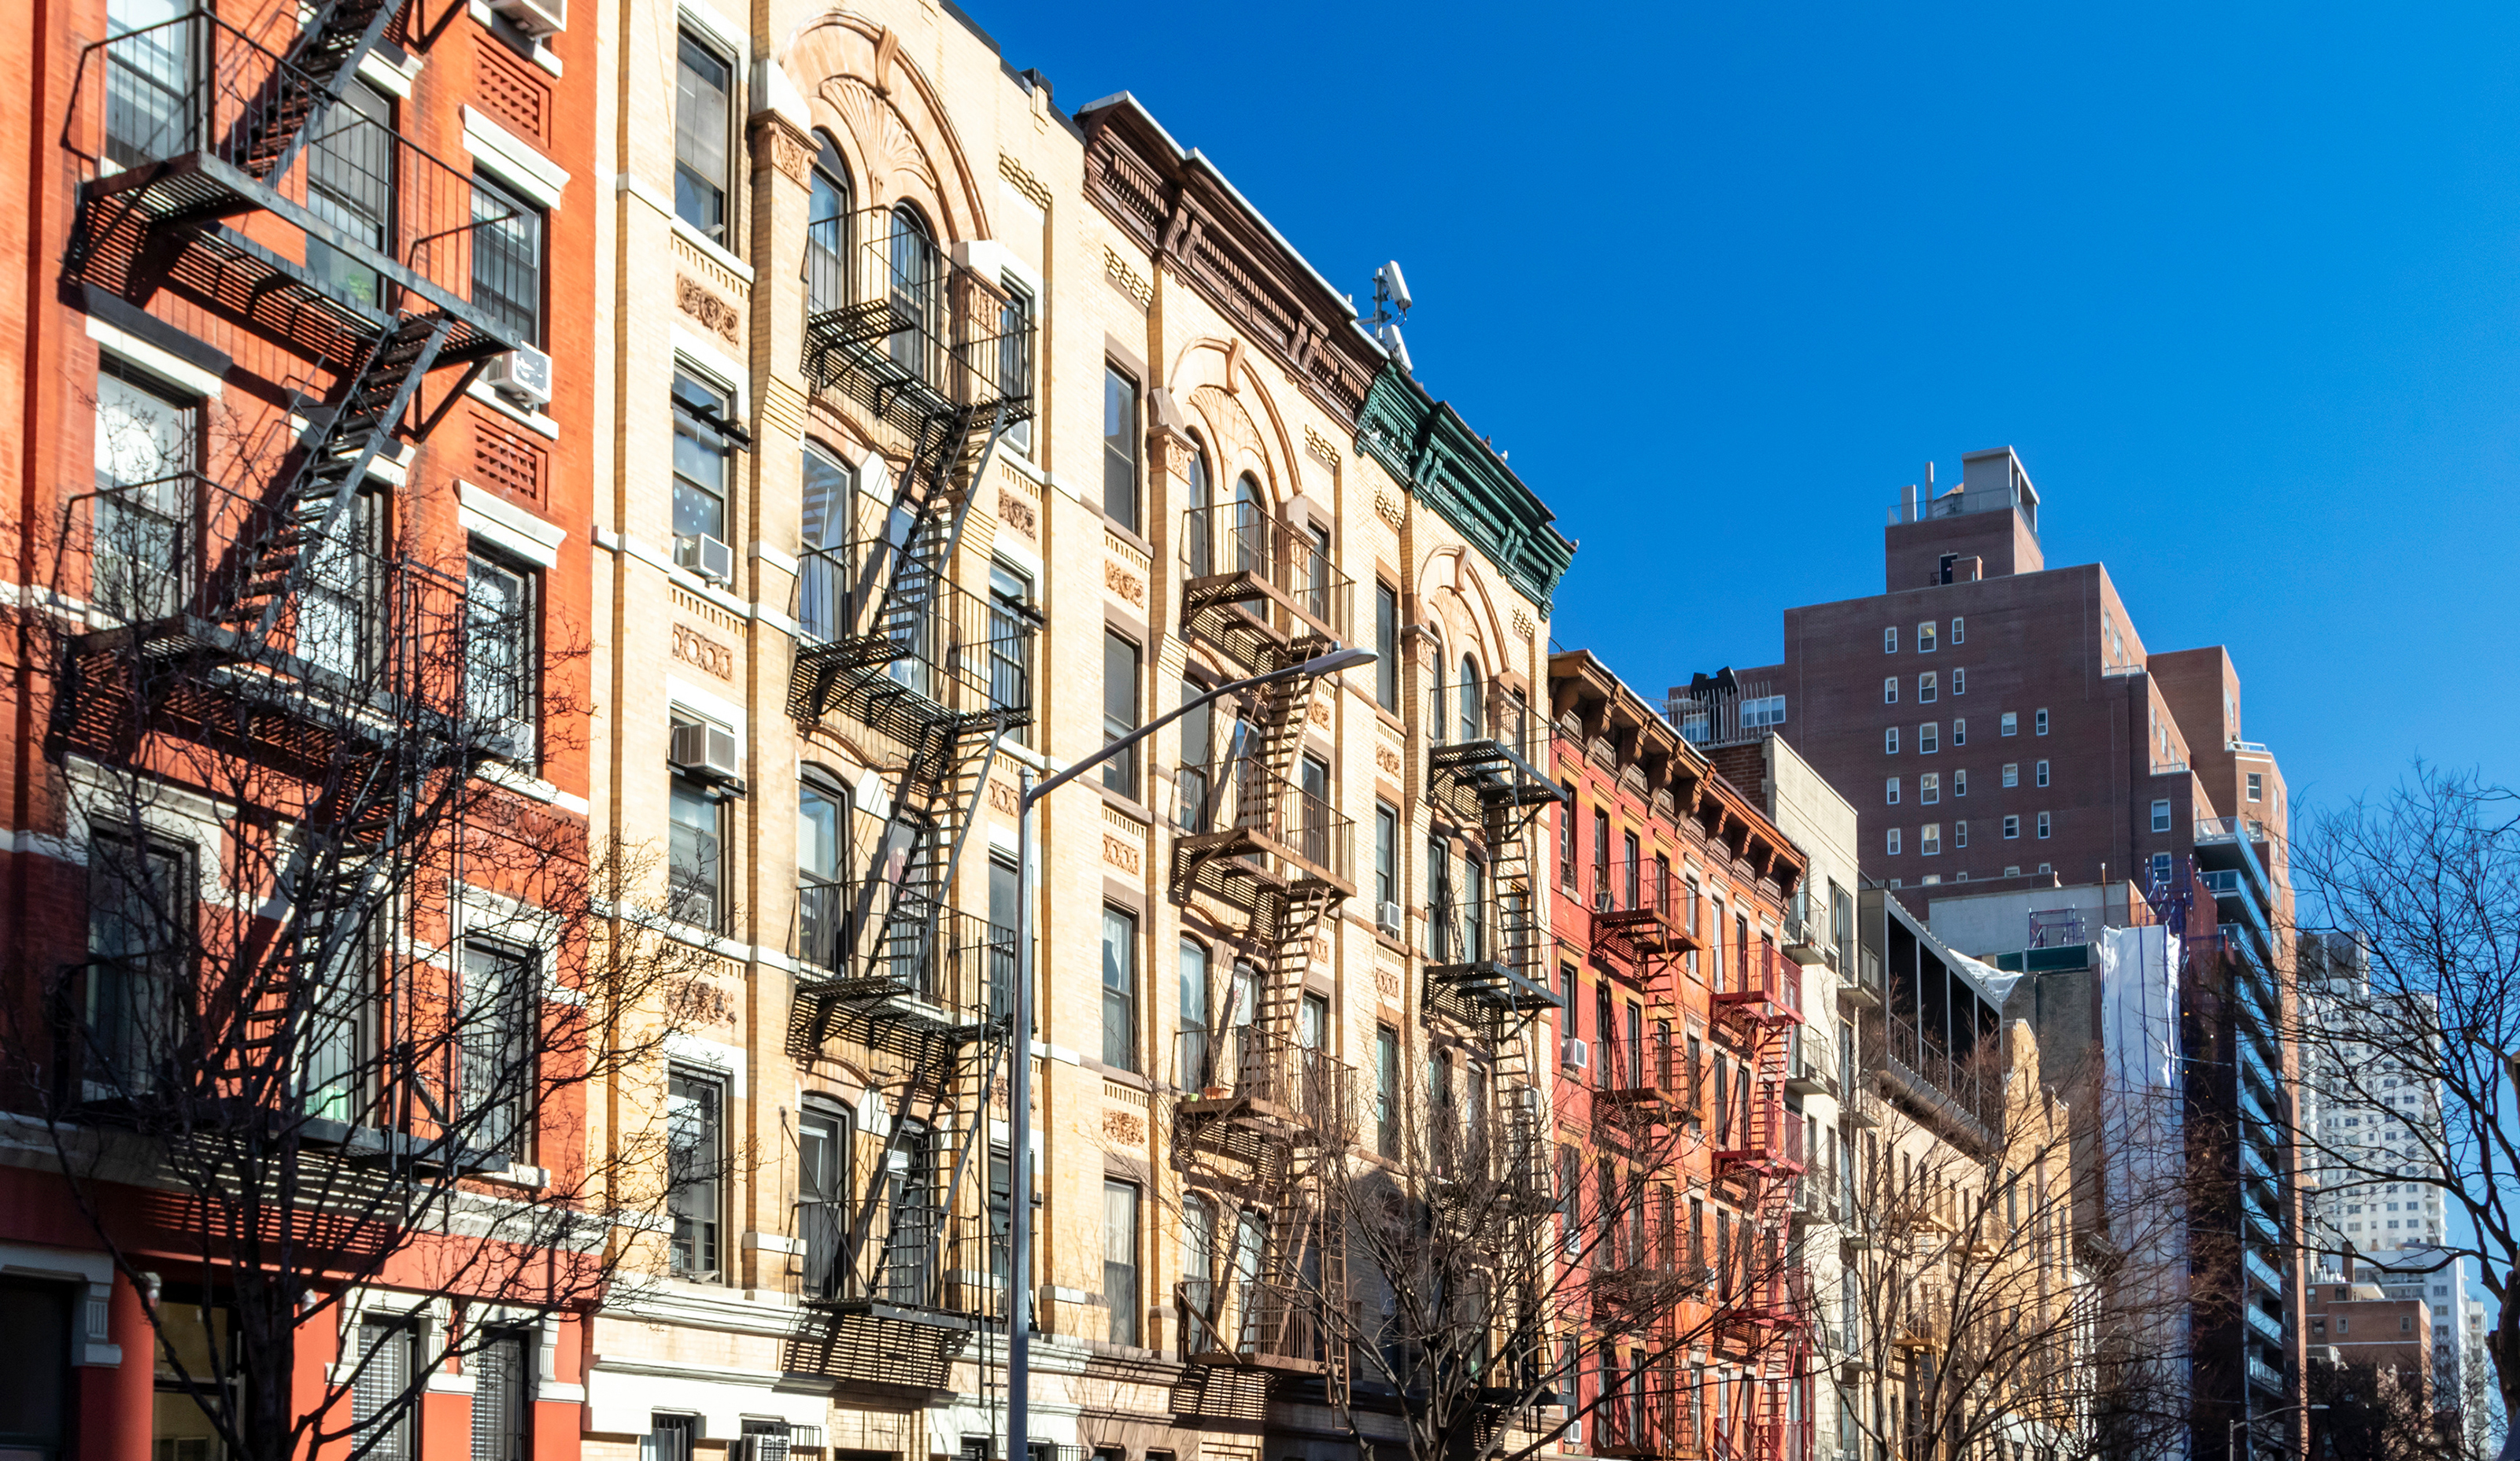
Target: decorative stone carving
{"x":1235,"y":433}
{"x":778,"y":144}
{"x":1002,"y":797}
{"x":691,"y":647}
{"x":1123,"y":1127}
{"x":885,"y":144}
{"x":695,"y":300}
{"x":1523,"y":624}
{"x":1387,"y":508}
{"x":1120,"y":854}
{"x":1387,"y":759}
{"x":1128,"y":586}
{"x":1023,"y":181}
{"x":1324,"y":450}
{"x":1132,"y":283}
{"x":698,"y":1001}
{"x":1016,"y":513}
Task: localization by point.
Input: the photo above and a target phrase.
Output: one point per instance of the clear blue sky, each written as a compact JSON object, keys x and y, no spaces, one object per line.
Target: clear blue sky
{"x":2240,"y":282}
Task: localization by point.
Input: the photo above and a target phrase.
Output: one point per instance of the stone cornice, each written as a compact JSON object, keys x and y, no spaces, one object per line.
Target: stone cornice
{"x":1424,"y":443}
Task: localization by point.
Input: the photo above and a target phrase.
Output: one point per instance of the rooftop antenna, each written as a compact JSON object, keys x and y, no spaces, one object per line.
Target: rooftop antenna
{"x":1391,"y":304}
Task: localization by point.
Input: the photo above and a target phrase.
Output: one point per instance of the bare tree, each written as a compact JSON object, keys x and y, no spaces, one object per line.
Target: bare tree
{"x":321,"y":1073}
{"x":2410,"y":1021}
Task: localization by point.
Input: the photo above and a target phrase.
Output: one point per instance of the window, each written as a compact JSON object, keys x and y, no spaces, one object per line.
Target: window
{"x":1930,"y":789}
{"x":1120,"y":1259}
{"x":1313,"y":811}
{"x":1960,"y":836}
{"x":2013,"y":774}
{"x":1959,"y":783}
{"x":1890,"y":689}
{"x":1119,"y":711}
{"x":1890,"y":792}
{"x":830,"y":487}
{"x":2257,"y":786}
{"x":2160,"y":868}
{"x":508,"y":260}
{"x":1890,"y":741}
{"x":1565,"y":814}
{"x":2011,"y":828}
{"x":1929,"y":738}
{"x":1600,"y":858}
{"x":1386,"y":647}
{"x":2041,"y":724}
{"x":695,"y":1167}
{"x":350,"y":188}
{"x":699,"y":458}
{"x":1470,"y":702}
{"x":2043,"y":824}
{"x":497,"y":1081}
{"x":1960,"y":677}
{"x":2009,"y":724}
{"x":695,"y":868}
{"x":826,"y":223}
{"x":1929,"y":839}
{"x":703,"y":111}
{"x":1959,"y":632}
{"x":1012,"y":617}
{"x":1925,"y":638}
{"x":823,"y":1165}
{"x":1893,"y":842}
{"x":1630,"y":872}
{"x":1190,"y":1053}
{"x":145,"y":441}
{"x":1760,"y":711}
{"x":2013,"y":870}
{"x":1386,"y":1090}
{"x":499,"y":660}
{"x":1119,"y":447}
{"x":1014,"y":358}
{"x":502,"y":1396}
{"x":2042,"y":771}
{"x":1959,"y":732}
{"x":1927,"y":689}
{"x":1439,"y":900}
{"x":139,"y":930}
{"x":2160,"y":815}
{"x":380,"y":1406}
{"x":1386,"y":856}
{"x":1119,"y":990}
{"x":1890,"y":641}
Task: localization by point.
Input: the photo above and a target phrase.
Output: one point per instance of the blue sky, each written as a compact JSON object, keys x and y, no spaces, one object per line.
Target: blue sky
{"x":2239,"y":282}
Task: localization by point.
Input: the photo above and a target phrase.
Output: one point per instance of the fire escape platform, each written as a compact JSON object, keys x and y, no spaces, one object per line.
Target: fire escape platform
{"x":1247,"y":854}
{"x":1216,"y":603}
{"x":1490,"y":985}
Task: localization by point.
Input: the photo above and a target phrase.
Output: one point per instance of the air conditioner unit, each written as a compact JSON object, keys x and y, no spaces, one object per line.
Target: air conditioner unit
{"x":1574,"y":1433}
{"x":705,"y":750}
{"x":1575,"y":1054}
{"x":764,"y":1447}
{"x":1388,"y":919}
{"x":706,"y":557}
{"x":535,"y":17}
{"x":523,"y":373}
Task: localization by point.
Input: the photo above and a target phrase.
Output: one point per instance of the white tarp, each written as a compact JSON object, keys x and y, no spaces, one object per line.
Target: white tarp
{"x":2142,"y":1132}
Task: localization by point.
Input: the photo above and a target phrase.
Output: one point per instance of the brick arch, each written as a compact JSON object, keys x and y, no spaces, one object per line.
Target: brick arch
{"x":1455,"y":592}
{"x":886,"y":118}
{"x":1201,"y":380}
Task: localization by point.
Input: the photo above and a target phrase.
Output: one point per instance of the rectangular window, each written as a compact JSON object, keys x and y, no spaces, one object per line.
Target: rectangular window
{"x":382,"y":1414}
{"x":2257,"y":786}
{"x":1119,"y":711}
{"x":2042,"y":769}
{"x":672,"y":1436}
{"x":1959,"y":631}
{"x":1959,"y":835}
{"x":146,"y":445}
{"x":1930,"y":739}
{"x":703,"y":112}
{"x":1960,"y":677}
{"x":1959,"y":734}
{"x":1929,"y":839}
{"x":1012,"y":618}
{"x":1890,"y":792}
{"x":2161,"y":816}
{"x":1565,"y":814}
{"x":2161,"y":876}
{"x":1890,"y":741}
{"x":1928,"y":689}
{"x":1014,"y":356}
{"x":695,"y":867}
{"x":2011,"y":828}
{"x":2013,"y":774}
{"x":1893,"y":842}
{"x":1386,"y":856}
{"x":1386,"y":1090}
{"x":2009,"y":724}
{"x":1600,"y":858}
{"x":1890,"y":689}
{"x":1930,"y":789}
{"x":2040,"y":723}
{"x":508,"y":260}
{"x":502,"y":1398}
{"x":823,"y":1155}
{"x":350,"y":186}
{"x":1119,"y":990}
{"x":1313,"y":812}
{"x":140,"y":923}
{"x":694,"y":1170}
{"x":1386,"y":647}
{"x":1959,"y":783}
{"x":2043,"y":824}
{"x":1119,"y":447}
{"x":1439,"y":899}
{"x":1120,"y":1259}
{"x":699,"y":458}
{"x":1761,"y":712}
{"x":1925,"y":638}
{"x":1190,"y":1063}
{"x":499,"y":660}
{"x":1890,"y":641}
{"x":1631,"y":871}
{"x":497,"y":1078}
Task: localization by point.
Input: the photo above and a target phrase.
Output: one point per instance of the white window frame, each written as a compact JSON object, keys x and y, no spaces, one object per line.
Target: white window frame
{"x":1893,"y":842}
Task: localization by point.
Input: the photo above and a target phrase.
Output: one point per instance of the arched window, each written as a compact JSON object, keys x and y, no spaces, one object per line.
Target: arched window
{"x":826,"y":225}
{"x":912,"y":290}
{"x":1203,"y":523}
{"x":1250,"y":520}
{"x":1470,"y":704}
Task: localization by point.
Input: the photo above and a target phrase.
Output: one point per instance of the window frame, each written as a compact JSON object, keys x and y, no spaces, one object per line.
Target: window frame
{"x":520,"y":210}
{"x":2046,"y":824}
{"x":1123,"y":998}
{"x":1120,"y":774}
{"x":2011,"y":827}
{"x":723,"y":232}
{"x":692,"y":423}
{"x":1928,"y":687}
{"x":1123,"y":475}
{"x":2040,"y":721}
{"x":1386,"y":647}
{"x":709,"y":1237}
{"x":2009,"y":724}
{"x":1893,"y":843}
{"x":1890,"y":689}
{"x":2043,"y":775}
{"x":520,"y":740}
{"x":2161,"y":814}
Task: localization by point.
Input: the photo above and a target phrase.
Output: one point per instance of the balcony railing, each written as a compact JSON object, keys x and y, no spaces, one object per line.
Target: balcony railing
{"x":1240,"y":809}
{"x":191,"y":121}
{"x":959,"y":972}
{"x":1471,"y":726}
{"x":896,"y":647}
{"x":1765,"y":989}
{"x":1245,"y":574}
{"x":1247,"y":1321}
{"x":1270,"y":1075}
{"x":912,"y":335}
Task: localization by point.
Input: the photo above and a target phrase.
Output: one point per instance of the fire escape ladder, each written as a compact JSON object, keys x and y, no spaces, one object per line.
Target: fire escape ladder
{"x":320,"y":67}
{"x":334,"y":456}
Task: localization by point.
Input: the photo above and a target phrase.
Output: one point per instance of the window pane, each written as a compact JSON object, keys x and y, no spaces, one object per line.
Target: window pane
{"x":700,"y":461}
{"x":694,"y":1164}
{"x":703,"y":85}
{"x":693,"y":870}
{"x":1119,"y":990}
{"x":1119,"y":711}
{"x":498,"y":668}
{"x":508,"y":260}
{"x":1120,"y":1259}
{"x":1386,"y":647}
{"x":497,"y":1081}
{"x":1120,"y":448}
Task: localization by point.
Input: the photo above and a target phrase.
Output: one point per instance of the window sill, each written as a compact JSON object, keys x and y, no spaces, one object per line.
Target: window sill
{"x":711,"y":250}
{"x":1111,"y":525}
{"x":1125,"y":803}
{"x":1390,"y":719}
{"x":532,"y":420}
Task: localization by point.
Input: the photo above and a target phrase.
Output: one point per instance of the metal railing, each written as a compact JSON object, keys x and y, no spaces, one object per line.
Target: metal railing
{"x":909,"y":333}
{"x":1478,"y":718}
{"x":1764,"y":986}
{"x":1231,"y":553}
{"x":902,"y":624}
{"x":1252,"y":1319}
{"x":1248,"y":1063}
{"x":1239,"y":795}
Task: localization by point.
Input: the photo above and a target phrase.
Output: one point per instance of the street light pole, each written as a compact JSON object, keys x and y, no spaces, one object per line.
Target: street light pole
{"x":1020,"y":1037}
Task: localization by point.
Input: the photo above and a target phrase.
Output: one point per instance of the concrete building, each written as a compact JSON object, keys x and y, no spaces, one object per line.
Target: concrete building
{"x":2376,"y":1126}
{"x":2462,"y":1377}
{"x":2362,"y":1323}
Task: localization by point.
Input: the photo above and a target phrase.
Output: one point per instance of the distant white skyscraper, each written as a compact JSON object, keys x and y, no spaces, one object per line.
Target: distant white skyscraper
{"x":2373,"y":1127}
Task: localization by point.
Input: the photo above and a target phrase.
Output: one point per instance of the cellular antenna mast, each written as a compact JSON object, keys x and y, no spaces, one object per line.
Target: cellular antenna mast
{"x":1390,"y":307}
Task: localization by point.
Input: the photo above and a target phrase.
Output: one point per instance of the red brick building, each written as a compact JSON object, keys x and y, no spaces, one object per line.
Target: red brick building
{"x":295,"y":544}
{"x":1677,"y":1013}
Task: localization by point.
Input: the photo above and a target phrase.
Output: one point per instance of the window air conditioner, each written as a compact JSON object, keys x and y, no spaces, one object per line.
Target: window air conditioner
{"x":704,"y":750}
{"x":522,"y":374}
{"x":1575,"y":1055}
{"x":1575,"y":1432}
{"x":765,"y":1447}
{"x":706,"y":557}
{"x":1388,"y":919}
{"x":535,"y":17}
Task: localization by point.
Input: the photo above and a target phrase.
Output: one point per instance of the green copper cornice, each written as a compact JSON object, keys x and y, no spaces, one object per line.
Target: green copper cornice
{"x":1424,"y":443}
